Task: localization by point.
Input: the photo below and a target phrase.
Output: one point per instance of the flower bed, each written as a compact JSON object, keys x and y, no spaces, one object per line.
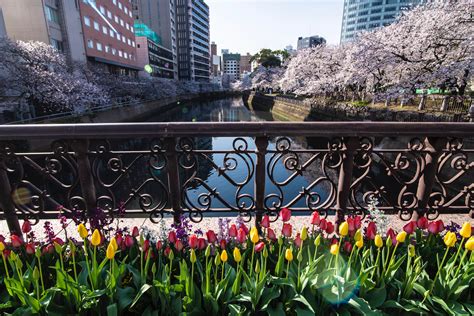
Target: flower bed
{"x":426,"y":268}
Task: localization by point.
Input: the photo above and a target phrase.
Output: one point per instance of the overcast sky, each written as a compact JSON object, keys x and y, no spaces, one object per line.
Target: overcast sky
{"x":248,"y":25}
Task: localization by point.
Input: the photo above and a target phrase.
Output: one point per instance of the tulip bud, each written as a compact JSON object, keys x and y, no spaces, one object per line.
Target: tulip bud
{"x":26,"y":227}
{"x":153,"y":268}
{"x":411,"y":250}
{"x":36,"y":274}
{"x":95,"y":240}
{"x":304,"y":233}
{"x":299,"y":257}
{"x":217,"y":259}
{"x":388,"y":242}
{"x":401,"y":236}
{"x":141,"y":240}
{"x":237,"y":255}
{"x":38,"y":253}
{"x":254,"y":235}
{"x":2,"y":246}
{"x":344,"y":229}
{"x":114,"y":244}
{"x":470,"y":244}
{"x":358,"y":235}
{"x":135,"y":231}
{"x":466,"y":230}
{"x":334,"y":249}
{"x":110,"y":253}
{"x":171,"y":255}
{"x":289,"y":255}
{"x":360,"y":243}
{"x":317,"y":241}
{"x":192,"y":257}
{"x":224,"y":256}
{"x":265,"y":252}
{"x":207,"y":253}
{"x":280,"y":241}
{"x":257,"y":267}
{"x":82,"y":230}
{"x":378,"y":241}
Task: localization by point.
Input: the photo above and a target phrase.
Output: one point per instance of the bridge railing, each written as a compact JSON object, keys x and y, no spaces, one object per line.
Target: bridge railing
{"x":252,"y":168}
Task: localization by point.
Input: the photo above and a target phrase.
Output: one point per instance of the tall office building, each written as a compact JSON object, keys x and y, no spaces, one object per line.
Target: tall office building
{"x":192,"y":33}
{"x":54,"y":22}
{"x":245,"y":67}
{"x":311,"y":41}
{"x":364,"y":15}
{"x":231,"y":65}
{"x":160,"y":16}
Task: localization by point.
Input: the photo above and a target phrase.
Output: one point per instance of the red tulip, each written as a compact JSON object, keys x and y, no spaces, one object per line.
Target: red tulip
{"x":323,"y":224}
{"x":315,"y":218}
{"x":287,"y":230}
{"x":172,"y":237}
{"x":202,"y":243}
{"x":285,"y":214}
{"x":245,"y":228}
{"x":259,"y":246}
{"x":26,"y":227}
{"x":422,"y":223}
{"x":59,"y":241}
{"x":159,"y":245}
{"x":7,"y":253}
{"x":233,"y":231}
{"x":334,"y":240}
{"x":271,"y":234}
{"x":347,"y":247}
{"x":178,"y":245}
{"x":135,"y":232}
{"x":16,"y":241}
{"x":193,"y":241}
{"x":392,"y":235}
{"x":354,"y":223}
{"x":330,"y":228}
{"x":440,"y":225}
{"x":146,"y":246}
{"x":167,"y":251}
{"x":152,"y":255}
{"x":2,"y":238}
{"x":241,"y":236}
{"x":119,"y":240}
{"x":371,"y":231}
{"x":223,"y":244}
{"x":436,"y":227}
{"x":265,"y":221}
{"x":129,"y":241}
{"x":30,"y":248}
{"x":410,"y":227}
{"x":298,"y":240}
{"x":211,"y":236}
{"x":48,"y":249}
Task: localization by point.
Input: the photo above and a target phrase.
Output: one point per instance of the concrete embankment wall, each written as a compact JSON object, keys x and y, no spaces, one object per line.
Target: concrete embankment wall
{"x":321,"y":110}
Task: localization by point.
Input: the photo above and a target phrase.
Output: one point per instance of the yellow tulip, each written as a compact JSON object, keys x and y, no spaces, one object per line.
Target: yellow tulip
{"x":401,"y":236}
{"x":358,"y":235}
{"x":82,"y":230}
{"x":224,"y":256}
{"x":450,"y":239}
{"x":254,"y":235}
{"x":192,"y":257}
{"x":344,"y":229}
{"x":95,"y":240}
{"x":317,"y":241}
{"x":2,"y":246}
{"x":466,"y":230}
{"x":334,"y":249}
{"x":378,"y":241}
{"x":360,"y":243}
{"x":411,"y":250}
{"x":113,"y":241}
{"x":237,"y":255}
{"x":470,"y":244}
{"x":289,"y":255}
{"x":110,"y":251}
{"x":304,"y":233}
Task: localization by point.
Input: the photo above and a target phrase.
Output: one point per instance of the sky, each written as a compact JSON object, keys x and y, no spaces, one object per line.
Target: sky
{"x":248,"y":25}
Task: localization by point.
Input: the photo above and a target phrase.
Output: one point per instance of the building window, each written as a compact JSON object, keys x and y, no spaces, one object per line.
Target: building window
{"x":118,"y":36}
{"x":52,"y":14}
{"x":131,"y":28}
{"x":99,"y":47}
{"x":124,"y":39}
{"x":114,"y":51}
{"x":114,"y":1}
{"x":109,"y":14}
{"x":133,"y":43}
{"x":104,"y":29}
{"x":87,"y":21}
{"x":120,"y":53}
{"x":96,"y":25}
{"x":129,"y":42}
{"x":126,"y":10}
{"x":125,"y":55}
{"x":130,"y":13}
{"x":121,"y":22}
{"x":120,"y":5}
{"x":57,"y":44}
{"x":116,"y":19}
{"x":111,"y":33}
{"x":127,"y":26}
{"x":107,"y":48}
{"x":102,"y":10}
{"x":90,"y":43}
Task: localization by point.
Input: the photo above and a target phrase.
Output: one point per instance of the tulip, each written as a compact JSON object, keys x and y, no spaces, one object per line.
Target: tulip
{"x":289,"y":255}
{"x":26,"y":227}
{"x":82,"y":230}
{"x":347,"y":247}
{"x":110,"y":253}
{"x":159,"y":244}
{"x":146,"y":246}
{"x":265,"y":222}
{"x":259,"y":247}
{"x":16,"y":241}
{"x":2,"y":250}
{"x":334,"y":250}
{"x":129,"y":241}
{"x":358,"y":235}
{"x":344,"y":229}
{"x":401,"y":236}
{"x":254,"y":235}
{"x":202,"y":243}
{"x":167,"y":251}
{"x":466,"y":230}
{"x":285,"y":214}
{"x":30,"y":248}
{"x":391,"y":237}
{"x":470,"y":244}
{"x":330,"y":228}
{"x":135,"y":231}
{"x":223,"y":244}
{"x":241,"y":236}
{"x":422,"y":223}
{"x":315,"y":219}
{"x":193,"y":241}
{"x":378,"y":241}
{"x":411,"y":250}
{"x":410,"y":227}
{"x":224,"y":256}
{"x":95,"y":239}
{"x":192,"y":257}
{"x":237,"y":255}
{"x":271,"y":234}
{"x":298,"y":241}
{"x":450,"y":239}
{"x":304,"y":233}
{"x":287,"y":230}
{"x":172,"y":237}
{"x":371,"y":231}
{"x":360,"y":243}
{"x":233,"y":231}
{"x":211,"y":236}
{"x":323,"y":224}
{"x":2,"y":246}
{"x":178,"y":245}
{"x":436,"y":227}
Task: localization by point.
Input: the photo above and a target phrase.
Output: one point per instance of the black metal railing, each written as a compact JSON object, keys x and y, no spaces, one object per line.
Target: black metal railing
{"x":152,"y":169}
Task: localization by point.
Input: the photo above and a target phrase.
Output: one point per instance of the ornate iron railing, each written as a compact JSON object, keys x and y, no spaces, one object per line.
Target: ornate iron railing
{"x":152,"y":169}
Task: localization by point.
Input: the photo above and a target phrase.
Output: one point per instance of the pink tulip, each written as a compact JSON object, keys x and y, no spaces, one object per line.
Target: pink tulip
{"x":347,"y":247}
{"x":159,"y":244}
{"x":271,"y":234}
{"x":315,"y":218}
{"x":287,"y":230}
{"x":323,"y":224}
{"x":129,"y":241}
{"x":202,"y":243}
{"x":285,"y":214}
{"x":223,"y":244}
{"x":211,"y":236}
{"x":410,"y":227}
{"x":172,"y":237}
{"x":371,"y":231}
{"x":146,"y":246}
{"x":265,"y":221}
{"x":330,"y":228}
{"x":135,"y":232}
{"x":26,"y":227}
{"x":16,"y":241}
{"x":241,"y":236}
{"x":259,"y":246}
{"x":193,"y":241}
{"x":233,"y":231}
{"x":298,"y":240}
{"x":391,"y":234}
{"x":30,"y":248}
{"x":178,"y":245}
{"x":422,"y":223}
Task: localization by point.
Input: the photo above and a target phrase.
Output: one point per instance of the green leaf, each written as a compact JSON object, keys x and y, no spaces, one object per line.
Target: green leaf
{"x":269,"y":294}
{"x":125,"y":297}
{"x":303,"y":312}
{"x":140,"y":293}
{"x":112,"y":310}
{"x":362,"y":306}
{"x":301,"y":299}
{"x":376,"y":297}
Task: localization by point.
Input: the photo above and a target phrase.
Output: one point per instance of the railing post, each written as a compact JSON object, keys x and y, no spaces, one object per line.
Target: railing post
{"x":433,"y":147}
{"x":7,"y":205}
{"x":345,"y":177}
{"x":172,"y":169}
{"x":261,"y":143}
{"x":86,"y":179}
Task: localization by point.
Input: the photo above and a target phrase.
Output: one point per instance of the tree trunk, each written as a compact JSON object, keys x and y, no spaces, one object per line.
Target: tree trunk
{"x":422,"y":104}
